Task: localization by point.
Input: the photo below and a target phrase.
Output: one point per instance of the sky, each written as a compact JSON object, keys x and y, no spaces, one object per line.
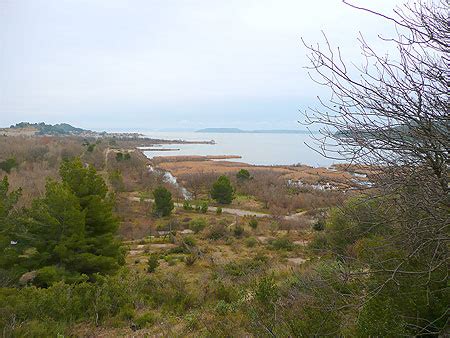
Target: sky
{"x":170,"y":64}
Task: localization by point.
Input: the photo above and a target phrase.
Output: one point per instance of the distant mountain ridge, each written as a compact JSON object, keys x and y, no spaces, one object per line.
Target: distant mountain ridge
{"x":263,"y":131}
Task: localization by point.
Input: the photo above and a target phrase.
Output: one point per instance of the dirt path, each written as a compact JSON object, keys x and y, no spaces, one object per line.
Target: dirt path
{"x":232,"y":211}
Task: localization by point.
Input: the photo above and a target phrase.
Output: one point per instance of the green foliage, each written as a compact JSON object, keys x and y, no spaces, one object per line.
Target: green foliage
{"x":238,"y":231}
{"x":7,"y":199}
{"x":253,"y":223}
{"x":219,"y":211}
{"x":187,"y":206}
{"x":243,"y":175}
{"x":163,"y":205}
{"x":60,"y":304}
{"x":116,"y":179}
{"x":68,"y":233}
{"x":189,"y":241}
{"x":204,"y":207}
{"x":198,"y":224}
{"x":319,"y":225}
{"x":90,"y":148}
{"x":357,"y":219}
{"x":251,"y":242}
{"x":152,"y":263}
{"x":145,"y":320}
{"x":119,"y":157}
{"x":245,"y":267}
{"x":123,"y":157}
{"x":190,"y":259}
{"x":8,"y":164}
{"x":282,"y":243}
{"x":222,"y":191}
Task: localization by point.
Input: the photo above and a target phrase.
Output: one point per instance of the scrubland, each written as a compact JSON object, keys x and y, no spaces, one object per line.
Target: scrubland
{"x":196,"y":272}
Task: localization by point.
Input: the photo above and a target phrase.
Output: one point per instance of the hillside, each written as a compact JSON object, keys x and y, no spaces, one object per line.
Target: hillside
{"x":49,"y":129}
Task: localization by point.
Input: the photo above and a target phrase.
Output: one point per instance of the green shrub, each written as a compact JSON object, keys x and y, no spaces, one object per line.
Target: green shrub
{"x":222,"y":308}
{"x":197,"y":224}
{"x":145,"y":320}
{"x":8,"y":164}
{"x":222,"y":191}
{"x":243,"y":175}
{"x":187,"y":206}
{"x":219,"y":211}
{"x":204,"y":207}
{"x":91,"y":147}
{"x":238,"y":231}
{"x":163,"y":202}
{"x":116,"y":180}
{"x":251,"y":242}
{"x":189,"y":241}
{"x":253,"y":223}
{"x":282,"y":243}
{"x":245,"y":267}
{"x":190,"y":259}
{"x":319,"y":225}
{"x":119,"y":157}
{"x":152,"y":263}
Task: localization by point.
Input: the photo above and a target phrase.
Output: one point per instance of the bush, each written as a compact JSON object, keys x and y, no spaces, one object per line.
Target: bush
{"x":116,"y":180}
{"x":253,"y":223}
{"x":222,"y":308}
{"x":222,"y":191}
{"x":163,"y":202}
{"x":91,"y":147}
{"x":8,"y":165}
{"x":251,"y":242}
{"x":153,"y":263}
{"x":119,"y":157}
{"x":219,"y":211}
{"x":190,"y":259}
{"x":244,"y":267}
{"x":204,"y":207}
{"x":217,"y":231}
{"x":145,"y":320}
{"x":282,"y":243}
{"x":319,"y":225}
{"x":197,"y":225}
{"x":187,"y":206}
{"x":189,"y":241}
{"x":243,"y":175}
{"x":238,"y":231}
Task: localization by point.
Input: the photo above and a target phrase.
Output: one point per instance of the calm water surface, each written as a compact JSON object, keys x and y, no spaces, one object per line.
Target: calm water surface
{"x":260,"y":149}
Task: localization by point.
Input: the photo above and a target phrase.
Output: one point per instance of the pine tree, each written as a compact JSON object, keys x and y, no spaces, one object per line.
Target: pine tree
{"x":163,"y":202}
{"x":222,"y":191}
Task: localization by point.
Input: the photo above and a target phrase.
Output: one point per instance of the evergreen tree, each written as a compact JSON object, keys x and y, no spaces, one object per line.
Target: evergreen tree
{"x":163,"y":202}
{"x":222,"y":191}
{"x":243,"y":175}
{"x":71,"y":231}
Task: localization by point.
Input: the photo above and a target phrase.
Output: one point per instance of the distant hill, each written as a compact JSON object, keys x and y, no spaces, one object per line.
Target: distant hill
{"x":240,"y":131}
{"x":48,"y":129}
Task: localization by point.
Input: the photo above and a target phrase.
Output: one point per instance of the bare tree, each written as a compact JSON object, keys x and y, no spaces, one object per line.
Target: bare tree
{"x":391,"y":115}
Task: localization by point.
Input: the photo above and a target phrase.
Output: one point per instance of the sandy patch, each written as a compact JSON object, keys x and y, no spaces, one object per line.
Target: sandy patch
{"x":301,"y":242}
{"x":296,"y":260}
{"x":135,"y":252}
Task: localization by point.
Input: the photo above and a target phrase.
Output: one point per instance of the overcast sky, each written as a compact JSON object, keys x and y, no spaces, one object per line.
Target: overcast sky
{"x":151,"y":64}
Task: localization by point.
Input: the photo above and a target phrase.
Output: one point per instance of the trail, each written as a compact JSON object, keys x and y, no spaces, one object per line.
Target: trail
{"x":231,"y":211}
